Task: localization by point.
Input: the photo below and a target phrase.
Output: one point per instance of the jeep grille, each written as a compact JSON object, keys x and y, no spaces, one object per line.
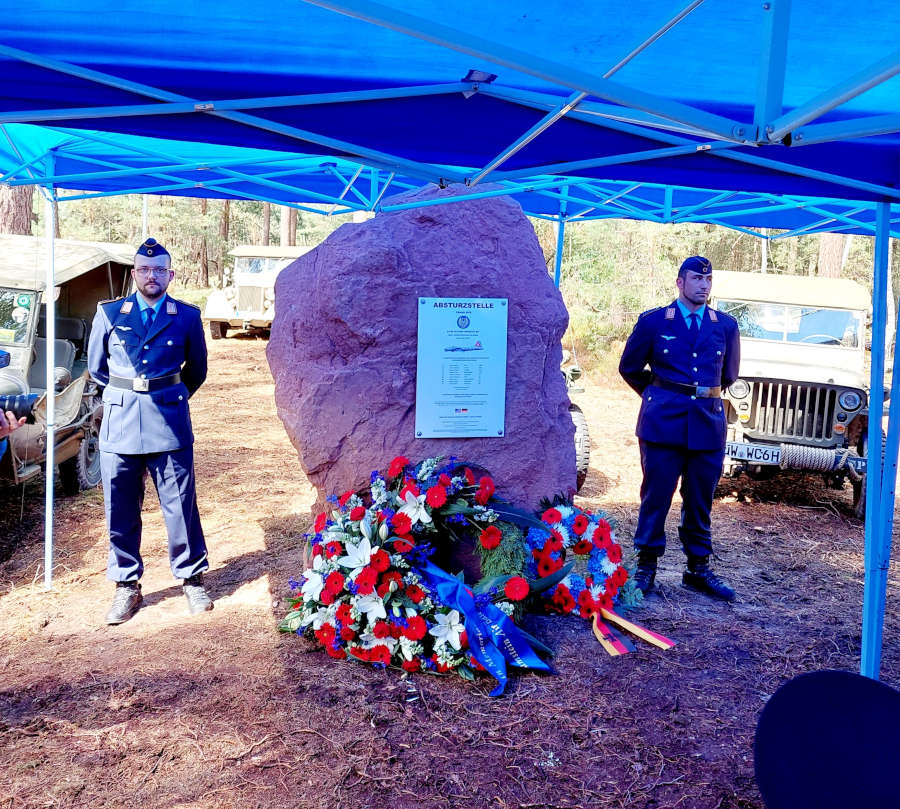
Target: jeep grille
{"x":792,"y":412}
{"x":250,"y":299}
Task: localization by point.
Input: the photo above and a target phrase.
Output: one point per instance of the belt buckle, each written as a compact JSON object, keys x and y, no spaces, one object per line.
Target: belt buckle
{"x":703,"y":391}
{"x":140,"y":384}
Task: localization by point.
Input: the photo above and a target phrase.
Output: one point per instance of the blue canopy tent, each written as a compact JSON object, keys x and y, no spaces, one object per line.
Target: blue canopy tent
{"x":782,"y":113}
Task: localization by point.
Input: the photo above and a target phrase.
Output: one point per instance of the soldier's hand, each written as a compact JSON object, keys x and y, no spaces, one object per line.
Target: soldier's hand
{"x":8,"y":423}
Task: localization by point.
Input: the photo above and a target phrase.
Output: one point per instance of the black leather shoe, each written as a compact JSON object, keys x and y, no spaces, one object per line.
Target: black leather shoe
{"x":126,"y":602}
{"x":195,"y":593}
{"x":645,"y":574}
{"x":699,"y":576}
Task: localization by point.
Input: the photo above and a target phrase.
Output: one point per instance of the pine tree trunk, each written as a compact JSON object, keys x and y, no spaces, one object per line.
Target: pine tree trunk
{"x":267,"y":224}
{"x":284,"y":226}
{"x":292,"y":227}
{"x":831,"y":251}
{"x":15,"y":210}
{"x":224,"y":227}
{"x":204,"y":251}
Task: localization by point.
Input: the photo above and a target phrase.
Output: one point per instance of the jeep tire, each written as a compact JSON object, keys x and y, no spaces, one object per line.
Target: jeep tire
{"x":217,"y":329}
{"x":582,"y":446}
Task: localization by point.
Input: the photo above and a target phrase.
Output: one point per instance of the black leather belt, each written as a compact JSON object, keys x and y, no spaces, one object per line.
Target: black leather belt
{"x":142,"y":385}
{"x":700,"y":391}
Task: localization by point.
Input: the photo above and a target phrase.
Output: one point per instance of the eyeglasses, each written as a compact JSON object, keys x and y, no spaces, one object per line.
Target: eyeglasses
{"x":159,"y":272}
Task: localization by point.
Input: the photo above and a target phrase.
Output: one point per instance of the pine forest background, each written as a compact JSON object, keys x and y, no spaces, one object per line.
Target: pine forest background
{"x":612,"y":269}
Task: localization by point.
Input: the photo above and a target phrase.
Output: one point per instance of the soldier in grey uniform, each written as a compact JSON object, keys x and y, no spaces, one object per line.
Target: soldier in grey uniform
{"x":149,"y":352}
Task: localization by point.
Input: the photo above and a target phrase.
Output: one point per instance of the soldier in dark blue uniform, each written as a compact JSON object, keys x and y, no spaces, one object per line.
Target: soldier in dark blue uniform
{"x":679,"y":358}
{"x":149,"y":352}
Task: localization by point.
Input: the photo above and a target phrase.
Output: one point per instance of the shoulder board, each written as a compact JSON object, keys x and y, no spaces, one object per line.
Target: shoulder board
{"x":713,"y":315}
{"x":111,"y":300}
{"x":670,"y":313}
{"x":649,"y":312}
{"x":173,"y":301}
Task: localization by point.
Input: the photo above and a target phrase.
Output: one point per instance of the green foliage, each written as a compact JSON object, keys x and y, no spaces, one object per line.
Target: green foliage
{"x":629,"y":594}
{"x":508,"y":558}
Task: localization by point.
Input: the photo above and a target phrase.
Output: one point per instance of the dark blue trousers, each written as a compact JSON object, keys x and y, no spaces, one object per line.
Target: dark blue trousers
{"x":123,"y":492}
{"x":699,"y":471}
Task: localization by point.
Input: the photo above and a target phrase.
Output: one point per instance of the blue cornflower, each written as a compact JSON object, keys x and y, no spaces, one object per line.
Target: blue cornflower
{"x":294,"y":584}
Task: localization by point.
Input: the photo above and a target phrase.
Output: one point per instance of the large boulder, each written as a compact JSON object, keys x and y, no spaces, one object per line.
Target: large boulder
{"x":343,"y":345}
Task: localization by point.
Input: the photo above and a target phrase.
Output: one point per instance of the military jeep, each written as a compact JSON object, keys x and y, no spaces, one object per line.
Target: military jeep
{"x":801,"y":401}
{"x":247,"y":298}
{"x":85,"y":273}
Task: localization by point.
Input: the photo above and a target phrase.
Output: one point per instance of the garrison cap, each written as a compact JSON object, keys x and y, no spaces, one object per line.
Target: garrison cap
{"x":151,"y":247}
{"x":697,"y":264}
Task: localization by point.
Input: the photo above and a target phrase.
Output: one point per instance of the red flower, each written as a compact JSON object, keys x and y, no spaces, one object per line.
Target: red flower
{"x":620,"y":576}
{"x":436,"y":496}
{"x":490,"y":537}
{"x":325,"y":634}
{"x":485,"y":491}
{"x":516,"y":588}
{"x":327,"y":597}
{"x":611,"y":587}
{"x":380,"y":654}
{"x":397,"y":466}
{"x":475,"y":664}
{"x":396,"y":630}
{"x":357,"y":513}
{"x":379,"y":515}
{"x":348,"y":633}
{"x":545,"y":566}
{"x":360,"y":653}
{"x":554,"y":543}
{"x":464,"y":640}
{"x":365,"y":580}
{"x":470,"y":476}
{"x":382,"y":629}
{"x":338,"y":654}
{"x":333,"y":548}
{"x":583,"y":546}
{"x":580,"y":525}
{"x":604,"y":602}
{"x":415,"y":593}
{"x":551,"y":516}
{"x":415,"y":628}
{"x":343,"y":614}
{"x":321,"y":519}
{"x":342,"y":500}
{"x":444,"y":480}
{"x":441,"y":668}
{"x":614,"y":552}
{"x":402,"y":524}
{"x":317,"y":550}
{"x":381,"y":560}
{"x":384,"y":586}
{"x":409,"y":485}
{"x":411,"y":665}
{"x":562,"y":598}
{"x":602,"y":534}
{"x":334,"y":582}
{"x":403,"y":545}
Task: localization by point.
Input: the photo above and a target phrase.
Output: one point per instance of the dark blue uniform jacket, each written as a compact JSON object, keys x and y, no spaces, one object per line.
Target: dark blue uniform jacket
{"x":136,"y":423}
{"x":661,"y":345}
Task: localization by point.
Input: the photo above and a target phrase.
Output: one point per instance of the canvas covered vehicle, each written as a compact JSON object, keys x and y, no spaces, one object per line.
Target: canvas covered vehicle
{"x":247,"y":298}
{"x":85,"y":273}
{"x":801,"y":401}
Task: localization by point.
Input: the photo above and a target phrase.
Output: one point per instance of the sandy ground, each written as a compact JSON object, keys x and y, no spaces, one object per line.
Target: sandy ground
{"x":223,"y":711}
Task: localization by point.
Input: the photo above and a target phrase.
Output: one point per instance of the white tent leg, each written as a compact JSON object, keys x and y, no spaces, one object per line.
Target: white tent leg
{"x":49,"y":384}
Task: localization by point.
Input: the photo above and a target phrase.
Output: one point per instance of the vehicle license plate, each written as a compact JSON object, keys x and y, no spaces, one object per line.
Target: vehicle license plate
{"x":753,"y":453}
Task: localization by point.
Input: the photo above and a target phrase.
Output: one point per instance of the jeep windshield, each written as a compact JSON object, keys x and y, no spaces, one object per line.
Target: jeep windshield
{"x":16,"y":307}
{"x":256,"y":264}
{"x":783,"y":323}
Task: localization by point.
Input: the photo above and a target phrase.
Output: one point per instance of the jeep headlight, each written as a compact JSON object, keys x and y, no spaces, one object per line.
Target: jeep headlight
{"x":850,"y":400}
{"x":739,"y":389}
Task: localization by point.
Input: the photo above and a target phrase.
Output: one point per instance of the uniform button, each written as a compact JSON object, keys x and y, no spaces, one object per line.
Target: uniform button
{"x":168,"y":342}
{"x":180,"y":398}
{"x":695,"y":370}
{"x":143,"y":376}
{"x":665,"y":351}
{"x":695,"y":353}
{"x":146,"y":347}
{"x":693,"y":397}
{"x":144,"y":361}
{"x":695,"y":381}
{"x":718,"y":353}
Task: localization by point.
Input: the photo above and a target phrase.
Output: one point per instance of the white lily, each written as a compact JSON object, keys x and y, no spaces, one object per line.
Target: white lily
{"x":414,"y":508}
{"x":372,"y":606}
{"x":365,"y":526}
{"x":369,"y":640}
{"x":319,"y":617}
{"x":357,"y":556}
{"x":312,"y":587}
{"x":447,"y":628}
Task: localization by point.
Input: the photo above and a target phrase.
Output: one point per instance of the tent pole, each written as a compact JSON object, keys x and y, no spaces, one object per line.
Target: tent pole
{"x":560,"y":239}
{"x":49,"y":384}
{"x":879,"y":503}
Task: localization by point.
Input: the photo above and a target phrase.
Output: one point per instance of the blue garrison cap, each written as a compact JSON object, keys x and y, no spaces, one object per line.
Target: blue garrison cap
{"x":697,"y":264}
{"x":151,"y":247}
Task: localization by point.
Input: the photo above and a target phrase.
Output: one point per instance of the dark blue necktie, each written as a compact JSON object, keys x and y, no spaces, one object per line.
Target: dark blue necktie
{"x":694,"y":326}
{"x":148,"y":314}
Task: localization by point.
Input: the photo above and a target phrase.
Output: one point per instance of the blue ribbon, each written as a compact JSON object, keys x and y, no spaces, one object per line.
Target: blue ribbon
{"x":494,"y":639}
